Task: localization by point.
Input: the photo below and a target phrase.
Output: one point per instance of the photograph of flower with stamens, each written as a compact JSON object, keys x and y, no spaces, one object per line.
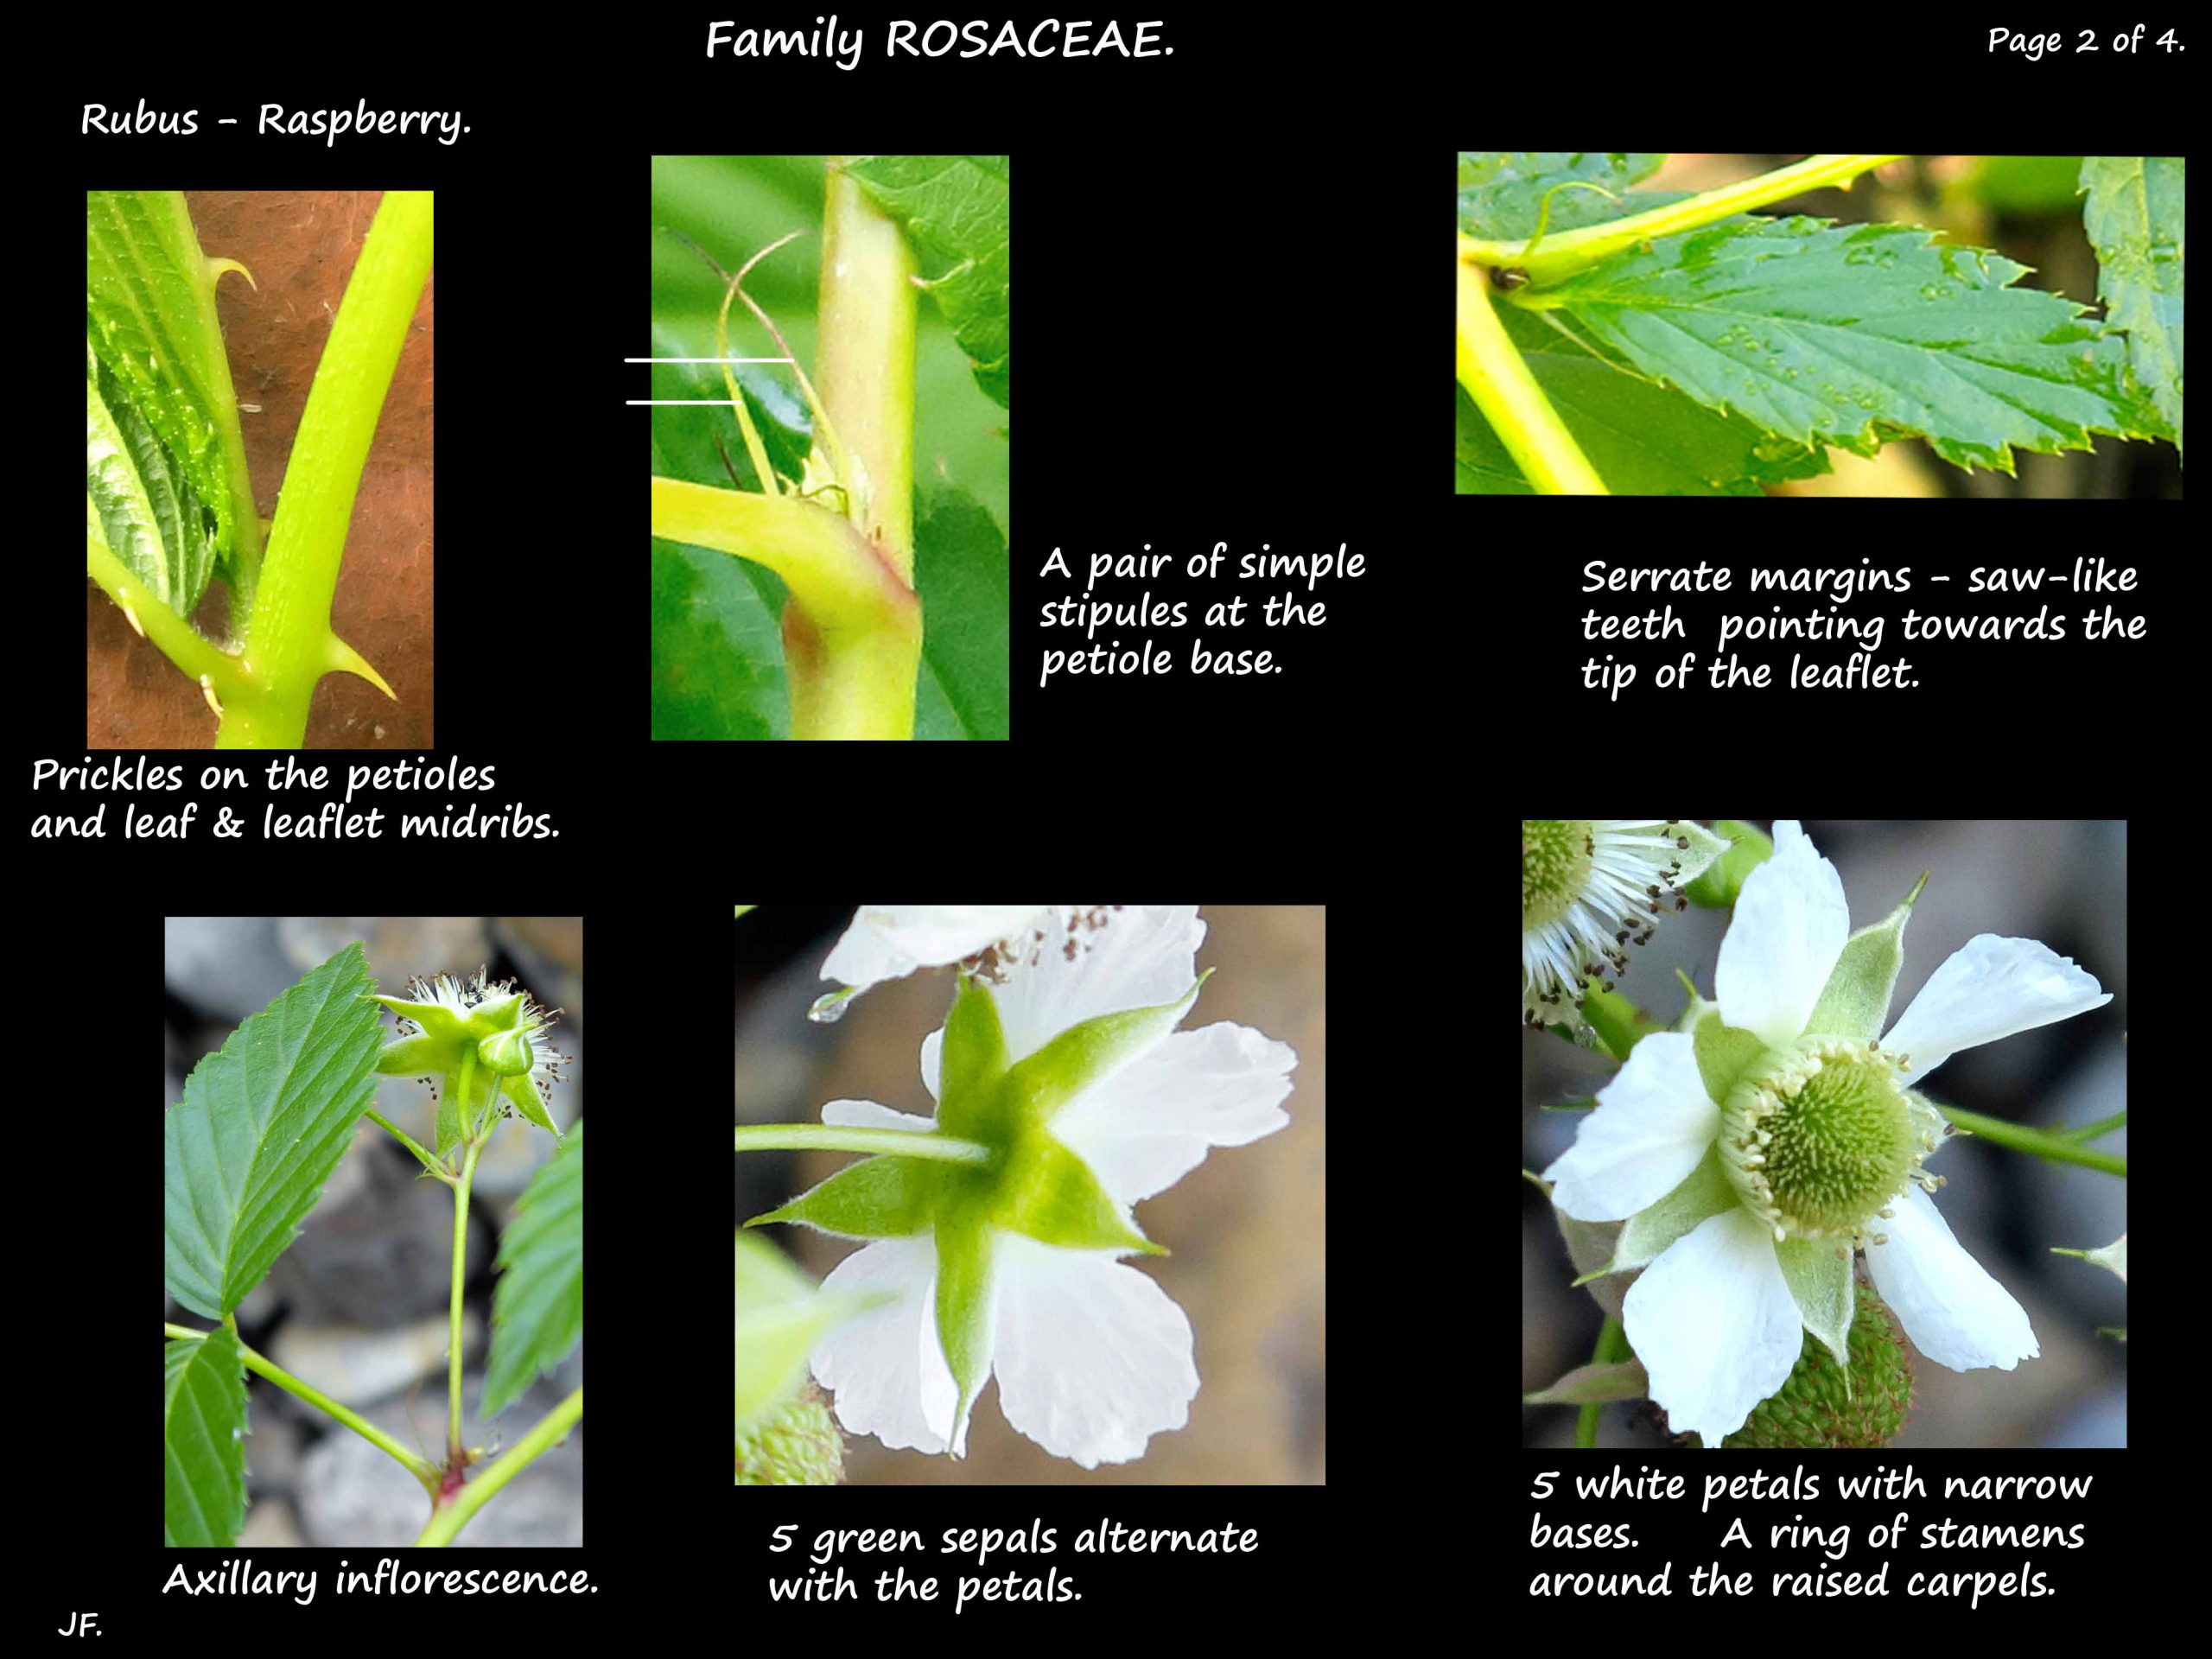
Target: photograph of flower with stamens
{"x":1809,"y":1175}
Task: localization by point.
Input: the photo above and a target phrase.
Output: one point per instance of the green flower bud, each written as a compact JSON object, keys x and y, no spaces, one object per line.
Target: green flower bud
{"x":507,"y":1053}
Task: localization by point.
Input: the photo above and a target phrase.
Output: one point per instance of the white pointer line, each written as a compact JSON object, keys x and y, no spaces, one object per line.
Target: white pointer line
{"x":706,"y":359}
{"x":656,"y":403}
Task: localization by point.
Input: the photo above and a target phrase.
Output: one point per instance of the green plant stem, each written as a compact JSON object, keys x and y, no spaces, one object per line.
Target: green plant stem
{"x":417,"y":1465}
{"x":175,"y":639}
{"x":546,"y":1434}
{"x":460,"y":1260}
{"x":866,"y":361}
{"x":1557,"y":257}
{"x":288,"y":645}
{"x":2052,"y":1149}
{"x":407,"y":1141}
{"x":824,"y":1137}
{"x":1499,"y":380}
{"x":858,"y":625}
{"x":1612,"y":1344}
{"x":2092,"y":1131}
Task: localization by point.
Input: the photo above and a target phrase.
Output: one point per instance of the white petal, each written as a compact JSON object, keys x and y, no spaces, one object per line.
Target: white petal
{"x":1144,"y":955}
{"x":1955,"y":1312}
{"x":891,"y":941}
{"x":1791,"y":924}
{"x":867,"y":1114}
{"x":1653,"y":1123}
{"x":1093,"y":1358}
{"x":886,"y":1366}
{"x":1713,"y":1322}
{"x":1149,"y":1125}
{"x":1990,"y":989}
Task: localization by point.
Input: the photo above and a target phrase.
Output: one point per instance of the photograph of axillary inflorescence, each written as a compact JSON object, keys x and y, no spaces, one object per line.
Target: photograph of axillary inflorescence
{"x":373,"y":1230}
{"x":1824,"y":1127}
{"x":1083,"y":1240}
{"x":258,"y":469}
{"x":829,"y":401}
{"x":1968,"y":326}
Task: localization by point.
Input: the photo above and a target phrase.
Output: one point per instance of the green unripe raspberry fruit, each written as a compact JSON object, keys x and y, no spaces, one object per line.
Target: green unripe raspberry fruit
{"x":795,"y":1444}
{"x":1813,"y":1409}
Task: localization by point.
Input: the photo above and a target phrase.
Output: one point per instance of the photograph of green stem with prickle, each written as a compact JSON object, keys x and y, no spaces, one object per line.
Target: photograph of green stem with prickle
{"x":828,"y":397}
{"x":243,"y":439}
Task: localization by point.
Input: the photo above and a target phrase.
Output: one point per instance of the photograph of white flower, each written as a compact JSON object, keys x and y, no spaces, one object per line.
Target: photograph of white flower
{"x":1075,"y":1061}
{"x":1745,"y":1172}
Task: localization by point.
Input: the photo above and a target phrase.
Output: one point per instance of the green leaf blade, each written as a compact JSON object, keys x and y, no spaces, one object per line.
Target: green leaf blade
{"x":2135,"y":216}
{"x":263,"y":1124}
{"x":537,"y":1311}
{"x":1848,"y":335}
{"x":150,"y":320}
{"x":954,"y":209}
{"x":961,"y":572}
{"x":1502,"y":192}
{"x":203,"y":1435}
{"x":1643,"y":438}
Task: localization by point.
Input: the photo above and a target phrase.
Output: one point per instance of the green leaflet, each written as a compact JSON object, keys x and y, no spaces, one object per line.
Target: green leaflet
{"x":537,"y":1311}
{"x":1502,"y":192}
{"x":144,"y":513}
{"x":150,"y":319}
{"x":1849,"y":335}
{"x":954,"y":210}
{"x":203,"y":1427}
{"x":1643,"y":438}
{"x":2134,"y":216}
{"x":263,"y":1124}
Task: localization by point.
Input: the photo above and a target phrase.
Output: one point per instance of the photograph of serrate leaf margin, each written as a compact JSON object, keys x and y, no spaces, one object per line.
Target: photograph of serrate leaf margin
{"x":1739,"y":325}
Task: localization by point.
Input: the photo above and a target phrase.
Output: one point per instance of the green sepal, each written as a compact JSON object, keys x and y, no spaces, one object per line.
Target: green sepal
{"x":1855,"y":1001}
{"x":1818,"y":1272}
{"x":1724,"y":1052}
{"x":974,"y":1054}
{"x":877,"y":1198}
{"x":1050,"y":1194}
{"x":963,"y":1314}
{"x":1086,"y":1054}
{"x":1703,"y":1192}
{"x":449,"y":1130}
{"x":1716,"y":888}
{"x":521,"y":1092}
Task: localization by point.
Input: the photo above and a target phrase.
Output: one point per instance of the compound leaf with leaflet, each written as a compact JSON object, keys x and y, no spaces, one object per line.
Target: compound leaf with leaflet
{"x":1847,"y":334}
{"x":150,"y":318}
{"x":203,"y":1439}
{"x":2134,"y":216}
{"x":1643,"y":438}
{"x":263,"y":1124}
{"x":537,"y":1311}
{"x":954,"y":209}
